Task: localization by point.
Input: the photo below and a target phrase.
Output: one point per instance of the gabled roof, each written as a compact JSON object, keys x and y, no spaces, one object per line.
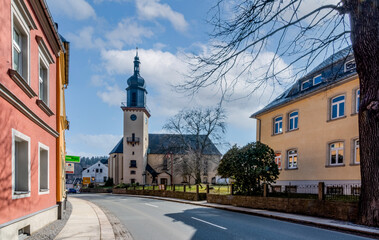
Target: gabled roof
{"x":172,"y":143}
{"x":178,"y":144}
{"x":151,"y":170}
{"x":332,"y":71}
{"x":119,"y":148}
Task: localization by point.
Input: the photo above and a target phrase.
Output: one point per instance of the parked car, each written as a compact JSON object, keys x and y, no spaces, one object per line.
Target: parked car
{"x":71,"y":190}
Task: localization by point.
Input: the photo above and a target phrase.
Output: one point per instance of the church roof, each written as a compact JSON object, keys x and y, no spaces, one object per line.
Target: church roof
{"x":136,"y":81}
{"x":118,"y":148}
{"x":175,"y":143}
{"x":166,"y":143}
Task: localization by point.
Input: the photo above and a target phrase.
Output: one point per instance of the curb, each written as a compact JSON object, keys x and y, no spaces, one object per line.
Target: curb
{"x":373,"y":232}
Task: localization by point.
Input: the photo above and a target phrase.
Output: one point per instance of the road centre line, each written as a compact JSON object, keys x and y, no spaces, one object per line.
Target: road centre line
{"x":200,"y":220}
{"x":151,"y":205}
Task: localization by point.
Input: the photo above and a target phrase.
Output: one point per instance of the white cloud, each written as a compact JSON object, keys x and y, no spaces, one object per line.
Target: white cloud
{"x":162,"y":69}
{"x":151,"y":9}
{"x":127,"y":32}
{"x":85,"y":39}
{"x":112,"y":95}
{"x":100,"y":144}
{"x":74,"y":9}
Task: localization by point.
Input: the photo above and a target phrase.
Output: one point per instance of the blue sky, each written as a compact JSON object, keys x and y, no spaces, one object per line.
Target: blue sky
{"x":104,"y":35}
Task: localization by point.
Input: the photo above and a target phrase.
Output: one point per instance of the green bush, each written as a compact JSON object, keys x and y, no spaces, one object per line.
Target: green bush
{"x":122,"y":185}
{"x":109,"y":182}
{"x":250,"y":167}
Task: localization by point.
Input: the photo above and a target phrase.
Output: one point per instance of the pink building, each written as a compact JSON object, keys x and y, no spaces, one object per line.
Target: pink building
{"x":29,"y":48}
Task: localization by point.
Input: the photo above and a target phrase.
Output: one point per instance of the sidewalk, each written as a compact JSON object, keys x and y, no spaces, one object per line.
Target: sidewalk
{"x":308,"y":220}
{"x":87,"y":221}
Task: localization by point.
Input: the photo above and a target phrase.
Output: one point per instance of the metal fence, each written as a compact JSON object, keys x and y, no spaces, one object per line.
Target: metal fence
{"x":341,"y":192}
{"x":214,"y":189}
{"x":346,"y":192}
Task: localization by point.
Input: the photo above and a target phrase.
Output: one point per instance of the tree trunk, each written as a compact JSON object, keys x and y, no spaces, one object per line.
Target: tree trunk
{"x":364,"y":20}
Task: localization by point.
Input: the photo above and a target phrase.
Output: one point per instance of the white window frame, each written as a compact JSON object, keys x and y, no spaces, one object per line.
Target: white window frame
{"x":346,"y":63}
{"x":278,"y":159}
{"x":280,"y":129}
{"x":356,"y":145}
{"x":293,"y":119}
{"x":44,"y":59}
{"x":18,"y":135}
{"x":357,"y":97}
{"x":338,"y":150}
{"x":303,"y":83}
{"x":292,"y":155}
{"x":315,"y":78}
{"x":22,"y":22}
{"x":46,"y":148}
{"x":338,"y":106}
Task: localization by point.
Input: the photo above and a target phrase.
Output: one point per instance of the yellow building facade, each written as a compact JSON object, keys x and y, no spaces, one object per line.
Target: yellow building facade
{"x":62,"y":123}
{"x":313,"y":126}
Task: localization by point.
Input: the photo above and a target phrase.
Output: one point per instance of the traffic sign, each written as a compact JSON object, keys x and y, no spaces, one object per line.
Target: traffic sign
{"x":74,"y":159}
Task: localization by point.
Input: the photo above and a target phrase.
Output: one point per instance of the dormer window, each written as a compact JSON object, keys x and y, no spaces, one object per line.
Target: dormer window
{"x":317,"y":79}
{"x":350,"y":65}
{"x":305,"y":84}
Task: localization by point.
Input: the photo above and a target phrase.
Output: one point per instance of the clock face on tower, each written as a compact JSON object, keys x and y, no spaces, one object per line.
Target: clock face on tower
{"x":133,"y":117}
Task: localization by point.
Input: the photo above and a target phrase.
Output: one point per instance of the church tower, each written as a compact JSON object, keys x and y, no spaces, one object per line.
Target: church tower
{"x":136,"y":137}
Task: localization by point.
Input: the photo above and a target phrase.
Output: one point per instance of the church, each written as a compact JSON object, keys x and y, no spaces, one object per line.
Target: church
{"x":143,"y":158}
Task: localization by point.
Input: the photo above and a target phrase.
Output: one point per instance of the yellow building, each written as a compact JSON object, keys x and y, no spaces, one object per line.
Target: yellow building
{"x":62,"y":122}
{"x":313,"y":125}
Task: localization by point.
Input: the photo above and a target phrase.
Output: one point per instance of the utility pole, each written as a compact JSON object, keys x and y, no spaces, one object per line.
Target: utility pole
{"x":172,"y":168}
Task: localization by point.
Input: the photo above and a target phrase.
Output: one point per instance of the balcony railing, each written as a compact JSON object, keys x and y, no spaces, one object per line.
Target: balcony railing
{"x":124,"y":104}
{"x":132,"y":139}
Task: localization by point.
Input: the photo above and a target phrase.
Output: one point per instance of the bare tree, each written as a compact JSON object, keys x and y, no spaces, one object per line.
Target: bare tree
{"x":197,"y":130}
{"x":301,"y":32}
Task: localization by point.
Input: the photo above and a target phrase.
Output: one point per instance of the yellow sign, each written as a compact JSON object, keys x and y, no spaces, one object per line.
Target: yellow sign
{"x":86,"y":180}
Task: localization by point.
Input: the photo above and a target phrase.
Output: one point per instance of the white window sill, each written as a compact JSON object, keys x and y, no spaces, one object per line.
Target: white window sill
{"x":43,"y":191}
{"x":336,"y":165}
{"x":20,"y":194}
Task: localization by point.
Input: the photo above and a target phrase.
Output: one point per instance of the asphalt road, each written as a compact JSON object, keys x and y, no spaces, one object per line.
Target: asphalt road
{"x":156,"y":219}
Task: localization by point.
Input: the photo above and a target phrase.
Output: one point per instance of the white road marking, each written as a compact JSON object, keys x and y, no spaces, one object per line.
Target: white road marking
{"x":151,"y":205}
{"x":209,"y":223}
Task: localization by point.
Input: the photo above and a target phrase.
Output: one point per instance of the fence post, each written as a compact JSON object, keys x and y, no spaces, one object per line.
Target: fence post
{"x":197,"y":192}
{"x":265,"y":189}
{"x":153,"y":187}
{"x":184,"y":188}
{"x":173,"y":187}
{"x":321,"y":193}
{"x":143,"y":187}
{"x":165,"y":187}
{"x":207,"y":188}
{"x":231,"y":189}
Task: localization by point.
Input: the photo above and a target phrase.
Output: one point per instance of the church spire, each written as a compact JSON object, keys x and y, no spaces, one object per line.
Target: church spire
{"x":136,"y":63}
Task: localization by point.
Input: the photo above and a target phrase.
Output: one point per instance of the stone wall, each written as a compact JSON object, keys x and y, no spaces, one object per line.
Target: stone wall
{"x":161,"y":193}
{"x":346,"y":211}
{"x":96,"y":190}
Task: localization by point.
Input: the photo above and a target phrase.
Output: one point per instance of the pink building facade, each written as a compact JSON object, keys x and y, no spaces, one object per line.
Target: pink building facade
{"x":29,"y":47}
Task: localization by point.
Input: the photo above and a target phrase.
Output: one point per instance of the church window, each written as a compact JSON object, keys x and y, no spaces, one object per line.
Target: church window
{"x":134,"y":99}
{"x":132,"y":172}
{"x":133,"y":163}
